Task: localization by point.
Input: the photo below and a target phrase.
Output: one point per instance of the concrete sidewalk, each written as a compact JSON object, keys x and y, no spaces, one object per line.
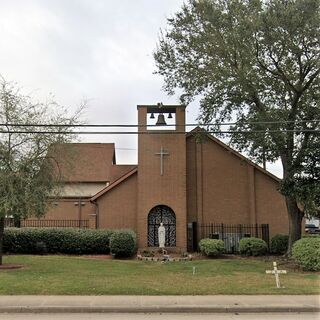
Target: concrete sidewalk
{"x":172,"y":304}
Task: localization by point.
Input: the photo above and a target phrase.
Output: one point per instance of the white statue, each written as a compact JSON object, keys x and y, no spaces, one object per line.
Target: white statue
{"x":162,"y":235}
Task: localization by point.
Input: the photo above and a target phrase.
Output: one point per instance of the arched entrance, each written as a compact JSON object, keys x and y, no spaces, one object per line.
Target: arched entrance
{"x":165,"y":215}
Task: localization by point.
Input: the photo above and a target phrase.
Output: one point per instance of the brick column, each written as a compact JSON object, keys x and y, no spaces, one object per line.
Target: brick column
{"x":252,"y":195}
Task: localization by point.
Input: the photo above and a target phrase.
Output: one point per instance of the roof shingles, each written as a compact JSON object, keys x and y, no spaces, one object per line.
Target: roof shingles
{"x":85,"y":162}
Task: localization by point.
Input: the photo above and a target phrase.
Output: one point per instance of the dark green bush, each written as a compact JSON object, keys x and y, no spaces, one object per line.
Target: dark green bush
{"x":67,"y":241}
{"x":123,"y":243}
{"x":279,"y":243}
{"x":306,"y":252}
{"x":211,"y":247}
{"x":253,"y":246}
{"x":41,"y":248}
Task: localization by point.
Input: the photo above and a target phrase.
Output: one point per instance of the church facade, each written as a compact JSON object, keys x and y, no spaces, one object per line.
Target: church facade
{"x":180,"y":180}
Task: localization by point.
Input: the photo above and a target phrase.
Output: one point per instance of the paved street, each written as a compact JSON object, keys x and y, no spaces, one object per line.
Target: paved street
{"x":95,"y":316}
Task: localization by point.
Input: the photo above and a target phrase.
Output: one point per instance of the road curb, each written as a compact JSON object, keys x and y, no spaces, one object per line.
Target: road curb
{"x":159,"y":309}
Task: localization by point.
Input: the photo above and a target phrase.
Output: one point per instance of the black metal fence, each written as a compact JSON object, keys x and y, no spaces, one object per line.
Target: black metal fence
{"x":46,"y":223}
{"x":229,"y":233}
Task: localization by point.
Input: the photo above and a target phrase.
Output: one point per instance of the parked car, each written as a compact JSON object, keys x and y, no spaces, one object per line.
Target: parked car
{"x":311,"y":229}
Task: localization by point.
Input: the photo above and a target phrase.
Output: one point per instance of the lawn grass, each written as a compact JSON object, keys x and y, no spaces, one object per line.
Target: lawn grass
{"x":70,"y":275}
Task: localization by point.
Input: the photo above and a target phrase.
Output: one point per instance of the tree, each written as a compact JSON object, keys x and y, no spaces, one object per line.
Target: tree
{"x":29,"y":175}
{"x":256,"y":63}
{"x":306,"y":186}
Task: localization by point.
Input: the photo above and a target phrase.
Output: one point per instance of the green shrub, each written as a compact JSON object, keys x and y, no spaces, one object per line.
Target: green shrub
{"x":253,"y":246}
{"x":279,"y":243}
{"x":306,"y":252}
{"x":41,"y":248}
{"x":50,"y":240}
{"x":211,"y":247}
{"x":123,"y":243}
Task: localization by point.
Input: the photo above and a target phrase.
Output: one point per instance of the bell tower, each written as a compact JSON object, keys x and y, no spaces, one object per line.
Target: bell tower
{"x":162,"y":176}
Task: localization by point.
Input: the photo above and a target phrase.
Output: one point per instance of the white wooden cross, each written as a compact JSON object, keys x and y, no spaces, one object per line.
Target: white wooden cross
{"x":276,"y":272}
{"x":161,"y":154}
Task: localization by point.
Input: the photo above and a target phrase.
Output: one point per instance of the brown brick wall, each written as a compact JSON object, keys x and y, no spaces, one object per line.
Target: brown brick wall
{"x":191,"y":180}
{"x":270,"y":205}
{"x":67,"y":210}
{"x":118,"y":207}
{"x":220,"y":182}
{"x":223,"y":188}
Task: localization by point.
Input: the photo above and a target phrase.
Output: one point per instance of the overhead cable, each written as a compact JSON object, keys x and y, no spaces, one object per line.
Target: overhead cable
{"x":154,"y":125}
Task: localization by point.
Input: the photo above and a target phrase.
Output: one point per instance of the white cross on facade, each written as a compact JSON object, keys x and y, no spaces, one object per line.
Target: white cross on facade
{"x":161,"y":154}
{"x":276,"y":272}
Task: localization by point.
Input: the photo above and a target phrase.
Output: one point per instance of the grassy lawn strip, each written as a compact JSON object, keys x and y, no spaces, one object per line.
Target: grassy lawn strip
{"x":59,"y":275}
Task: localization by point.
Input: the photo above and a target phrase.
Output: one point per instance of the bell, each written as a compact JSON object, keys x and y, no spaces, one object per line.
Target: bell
{"x":161,"y":121}
{"x":152,"y":116}
{"x":170,"y":116}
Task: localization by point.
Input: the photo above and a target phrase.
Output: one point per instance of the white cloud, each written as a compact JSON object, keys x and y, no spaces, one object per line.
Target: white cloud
{"x":98,"y":49}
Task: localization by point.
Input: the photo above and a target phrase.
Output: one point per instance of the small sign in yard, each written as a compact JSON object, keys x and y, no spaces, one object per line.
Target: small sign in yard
{"x":276,"y":272}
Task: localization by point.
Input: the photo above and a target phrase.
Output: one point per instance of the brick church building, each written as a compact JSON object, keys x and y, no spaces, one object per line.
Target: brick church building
{"x":180,"y":180}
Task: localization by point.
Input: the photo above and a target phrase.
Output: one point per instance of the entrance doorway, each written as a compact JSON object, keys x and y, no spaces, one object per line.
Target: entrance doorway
{"x":165,"y":215}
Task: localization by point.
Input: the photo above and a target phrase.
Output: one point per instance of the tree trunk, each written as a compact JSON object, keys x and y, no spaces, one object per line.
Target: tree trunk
{"x":1,"y":238}
{"x":295,"y":222}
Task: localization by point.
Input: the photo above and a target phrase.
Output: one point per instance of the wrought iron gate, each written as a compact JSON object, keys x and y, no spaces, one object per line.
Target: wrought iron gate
{"x":165,"y":215}
{"x":231,"y":234}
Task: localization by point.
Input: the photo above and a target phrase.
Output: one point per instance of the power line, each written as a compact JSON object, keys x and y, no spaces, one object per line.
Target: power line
{"x":159,"y":132}
{"x":154,"y":125}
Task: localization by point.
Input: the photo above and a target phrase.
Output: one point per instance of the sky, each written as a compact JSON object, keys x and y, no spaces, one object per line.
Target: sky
{"x":94,"y":50}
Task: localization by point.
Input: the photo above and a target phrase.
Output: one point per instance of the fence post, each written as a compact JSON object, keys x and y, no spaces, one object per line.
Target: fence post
{"x":195,"y":236}
{"x":192,"y":243}
{"x":265,"y":234}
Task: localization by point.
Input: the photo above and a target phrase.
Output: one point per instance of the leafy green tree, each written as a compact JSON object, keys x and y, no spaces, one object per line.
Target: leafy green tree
{"x":28,"y":174}
{"x":306,"y":185}
{"x":256,"y":63}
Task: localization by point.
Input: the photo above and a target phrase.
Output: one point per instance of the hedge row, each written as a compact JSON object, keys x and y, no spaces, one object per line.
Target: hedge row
{"x":279,"y":244}
{"x":49,"y":240}
{"x":123,"y":243}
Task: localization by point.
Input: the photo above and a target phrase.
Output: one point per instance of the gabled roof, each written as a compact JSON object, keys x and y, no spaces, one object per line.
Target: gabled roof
{"x":84,"y":162}
{"x":114,"y":184}
{"x":117,"y":171}
{"x":229,"y":149}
